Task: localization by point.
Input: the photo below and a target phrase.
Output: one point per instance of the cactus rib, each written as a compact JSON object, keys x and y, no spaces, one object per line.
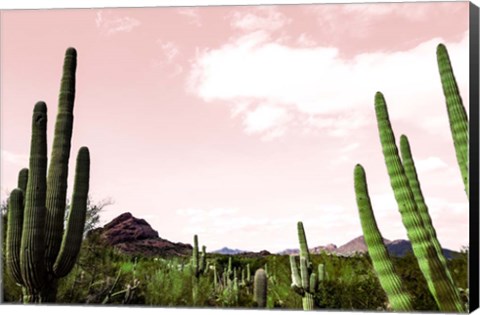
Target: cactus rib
{"x":390,"y":282}
{"x":58,"y":169}
{"x":32,"y":244}
{"x":457,"y":114}
{"x":442,"y":289}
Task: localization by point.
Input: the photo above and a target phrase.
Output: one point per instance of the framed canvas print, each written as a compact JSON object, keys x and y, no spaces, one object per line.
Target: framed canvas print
{"x":230,"y":156}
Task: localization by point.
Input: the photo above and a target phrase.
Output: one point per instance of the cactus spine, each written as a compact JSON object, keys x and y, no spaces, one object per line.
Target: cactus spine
{"x":46,"y":252}
{"x":260,"y":288}
{"x":457,"y":114}
{"x":390,"y":282}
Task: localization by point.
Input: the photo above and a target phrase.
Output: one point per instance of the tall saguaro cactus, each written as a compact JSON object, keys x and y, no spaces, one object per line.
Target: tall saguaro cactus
{"x":39,"y":250}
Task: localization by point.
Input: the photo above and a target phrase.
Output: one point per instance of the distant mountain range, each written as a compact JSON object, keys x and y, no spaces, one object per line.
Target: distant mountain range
{"x":229,"y":251}
{"x":398,"y":248}
{"x":136,"y":237}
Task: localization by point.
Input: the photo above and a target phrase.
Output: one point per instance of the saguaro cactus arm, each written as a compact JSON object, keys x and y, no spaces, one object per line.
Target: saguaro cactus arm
{"x":58,"y":169}
{"x":302,"y":239}
{"x":14,"y":234}
{"x":23,"y":179}
{"x":296,"y":279}
{"x":73,"y":235}
{"x":411,"y":173}
{"x":390,"y":282}
{"x":457,"y":114}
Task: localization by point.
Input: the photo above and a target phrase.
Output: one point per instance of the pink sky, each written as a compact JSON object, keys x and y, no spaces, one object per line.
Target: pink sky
{"x":234,"y":123}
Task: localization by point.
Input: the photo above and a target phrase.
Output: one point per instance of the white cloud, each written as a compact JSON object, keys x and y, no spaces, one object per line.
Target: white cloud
{"x":304,"y":40}
{"x":265,"y":117}
{"x":14,"y":158}
{"x":110,"y":24}
{"x":429,"y":164}
{"x":442,"y":209}
{"x":260,"y":230}
{"x":318,"y":83}
{"x":260,"y":18}
{"x":350,"y":147}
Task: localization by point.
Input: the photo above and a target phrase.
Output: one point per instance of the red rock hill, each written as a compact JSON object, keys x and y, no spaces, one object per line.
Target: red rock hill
{"x":136,"y":237}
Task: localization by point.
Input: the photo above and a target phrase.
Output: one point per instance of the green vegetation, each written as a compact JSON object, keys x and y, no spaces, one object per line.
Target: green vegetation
{"x":103,"y":275}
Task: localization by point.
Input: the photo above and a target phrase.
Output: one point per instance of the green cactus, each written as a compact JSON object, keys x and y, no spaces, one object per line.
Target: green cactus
{"x":305,"y":283}
{"x":215,"y":278}
{"x":199,"y":261}
{"x":390,"y":282}
{"x":199,"y":266}
{"x":321,"y":273}
{"x":260,"y":288}
{"x":23,"y":179}
{"x":14,"y":234}
{"x":47,"y":252}
{"x":229,"y":269}
{"x":457,"y":114}
{"x":435,"y":272}
{"x":411,"y":173}
{"x":407,"y":190}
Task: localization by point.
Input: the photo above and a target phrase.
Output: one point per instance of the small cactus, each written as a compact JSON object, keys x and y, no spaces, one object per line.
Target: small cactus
{"x":199,"y":265}
{"x":260,"y":288}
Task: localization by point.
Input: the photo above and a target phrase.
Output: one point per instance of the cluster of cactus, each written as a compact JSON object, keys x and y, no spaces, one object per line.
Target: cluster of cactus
{"x":306,"y":283}
{"x":38,"y":250}
{"x":246,"y":278}
{"x":226,"y":284}
{"x":412,"y":206}
{"x":128,"y":291}
{"x":234,"y":282}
